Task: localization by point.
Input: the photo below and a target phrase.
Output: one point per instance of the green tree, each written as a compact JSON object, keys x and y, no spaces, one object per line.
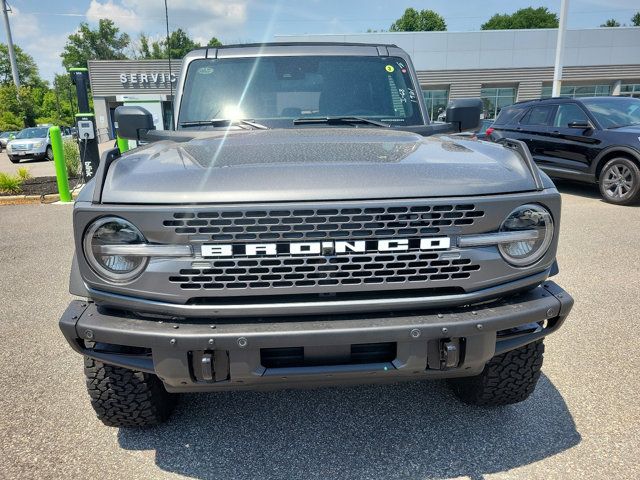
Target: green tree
{"x":27,"y":68}
{"x":17,"y":107}
{"x":150,"y":49}
{"x":58,"y":103}
{"x":181,"y":44}
{"x":612,"y":22}
{"x":104,"y":43}
{"x":214,"y":42}
{"x":10,"y":121}
{"x":413,"y":20}
{"x":522,"y":19}
{"x":635,"y":20}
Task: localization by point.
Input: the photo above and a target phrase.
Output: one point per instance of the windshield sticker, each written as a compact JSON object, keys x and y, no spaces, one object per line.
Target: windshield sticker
{"x":389,"y":68}
{"x":412,"y":96}
{"x":403,"y":95}
{"x":205,"y":70}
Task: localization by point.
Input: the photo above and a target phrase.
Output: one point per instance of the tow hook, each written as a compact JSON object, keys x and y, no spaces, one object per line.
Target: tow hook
{"x":449,"y":353}
{"x":207,"y":367}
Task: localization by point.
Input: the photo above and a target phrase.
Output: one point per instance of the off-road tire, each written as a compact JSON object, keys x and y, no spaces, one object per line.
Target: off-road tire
{"x":126,"y":398}
{"x":507,"y":378}
{"x":628,"y":171}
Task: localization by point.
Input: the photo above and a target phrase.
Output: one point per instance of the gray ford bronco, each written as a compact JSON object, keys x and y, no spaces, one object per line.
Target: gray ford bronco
{"x":303,"y":226}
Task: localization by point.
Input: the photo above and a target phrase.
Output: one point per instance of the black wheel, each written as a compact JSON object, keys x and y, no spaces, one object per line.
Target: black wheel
{"x":507,"y":378}
{"x":14,"y":159}
{"x":49,"y":154}
{"x":125,"y":398}
{"x":620,"y":181}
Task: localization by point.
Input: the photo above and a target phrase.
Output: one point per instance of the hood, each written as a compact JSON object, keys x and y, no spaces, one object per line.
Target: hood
{"x":635,"y":129}
{"x":27,"y":141}
{"x":313,"y":164}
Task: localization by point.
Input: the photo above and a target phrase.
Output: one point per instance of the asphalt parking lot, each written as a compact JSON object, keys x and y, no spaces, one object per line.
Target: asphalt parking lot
{"x":582,"y":422}
{"x":37,"y":168}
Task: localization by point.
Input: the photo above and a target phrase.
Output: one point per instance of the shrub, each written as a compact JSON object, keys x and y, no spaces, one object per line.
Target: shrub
{"x":23,"y":173}
{"x":71,"y":157}
{"x":9,"y":183}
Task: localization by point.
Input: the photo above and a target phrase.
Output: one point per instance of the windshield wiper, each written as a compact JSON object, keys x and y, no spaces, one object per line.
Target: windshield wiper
{"x":222,"y":122}
{"x":623,"y":126}
{"x":338,"y":121}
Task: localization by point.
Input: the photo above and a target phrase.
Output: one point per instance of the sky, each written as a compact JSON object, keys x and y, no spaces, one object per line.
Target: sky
{"x":41,"y":27}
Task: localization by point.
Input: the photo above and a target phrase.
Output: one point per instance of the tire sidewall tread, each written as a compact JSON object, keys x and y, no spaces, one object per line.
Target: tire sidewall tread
{"x":633,"y":166}
{"x":507,"y":378}
{"x":126,"y":398}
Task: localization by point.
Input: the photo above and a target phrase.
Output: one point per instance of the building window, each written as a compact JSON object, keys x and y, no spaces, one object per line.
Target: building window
{"x":494,"y":99}
{"x":574,"y":91}
{"x":436,"y":102}
{"x":630,"y":90}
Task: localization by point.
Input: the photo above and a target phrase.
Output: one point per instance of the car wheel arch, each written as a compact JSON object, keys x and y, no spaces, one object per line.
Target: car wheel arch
{"x":611,"y":153}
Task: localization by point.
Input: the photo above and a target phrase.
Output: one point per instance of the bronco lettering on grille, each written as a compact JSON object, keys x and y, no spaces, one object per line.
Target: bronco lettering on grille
{"x":325,"y":248}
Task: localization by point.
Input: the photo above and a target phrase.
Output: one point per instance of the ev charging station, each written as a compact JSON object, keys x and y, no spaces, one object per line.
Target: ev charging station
{"x":85,"y":123}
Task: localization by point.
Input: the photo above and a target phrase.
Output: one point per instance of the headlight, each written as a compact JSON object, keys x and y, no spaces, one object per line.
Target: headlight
{"x":105,"y":233}
{"x":529,"y":217}
{"x":37,"y":144}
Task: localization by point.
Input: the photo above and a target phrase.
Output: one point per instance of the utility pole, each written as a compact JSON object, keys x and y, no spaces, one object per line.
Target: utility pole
{"x":12,"y":53}
{"x":562,"y":29}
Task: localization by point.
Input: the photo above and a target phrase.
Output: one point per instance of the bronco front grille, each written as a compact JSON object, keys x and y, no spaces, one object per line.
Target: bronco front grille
{"x":395,"y":270}
{"x":318,"y":223}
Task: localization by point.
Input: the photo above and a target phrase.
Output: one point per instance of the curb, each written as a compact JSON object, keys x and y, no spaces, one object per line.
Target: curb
{"x":32,"y":199}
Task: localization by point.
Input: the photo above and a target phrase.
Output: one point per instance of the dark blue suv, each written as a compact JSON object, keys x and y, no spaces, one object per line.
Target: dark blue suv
{"x":594,"y":140}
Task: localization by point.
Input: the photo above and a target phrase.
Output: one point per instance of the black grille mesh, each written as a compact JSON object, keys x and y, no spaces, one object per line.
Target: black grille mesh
{"x":293,"y":272}
{"x":335,"y":223}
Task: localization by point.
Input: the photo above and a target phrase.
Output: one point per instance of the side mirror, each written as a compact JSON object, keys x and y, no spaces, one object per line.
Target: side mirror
{"x":582,"y":125}
{"x":464,"y":113}
{"x":133,"y":122}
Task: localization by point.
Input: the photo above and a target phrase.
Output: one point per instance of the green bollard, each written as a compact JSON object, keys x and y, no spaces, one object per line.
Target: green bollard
{"x":123,"y":144}
{"x":61,"y":168}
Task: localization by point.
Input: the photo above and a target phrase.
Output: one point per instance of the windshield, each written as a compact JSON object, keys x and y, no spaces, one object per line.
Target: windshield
{"x":614,"y":112}
{"x":277,"y":90}
{"x":39,"y":132}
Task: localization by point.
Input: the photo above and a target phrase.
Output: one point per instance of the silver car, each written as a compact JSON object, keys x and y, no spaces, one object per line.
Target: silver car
{"x":33,"y":143}
{"x":4,"y":138}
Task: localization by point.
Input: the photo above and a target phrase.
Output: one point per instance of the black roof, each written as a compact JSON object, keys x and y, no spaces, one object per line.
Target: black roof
{"x":525,"y":103}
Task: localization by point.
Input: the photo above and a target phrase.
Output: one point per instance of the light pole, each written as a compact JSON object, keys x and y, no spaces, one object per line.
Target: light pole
{"x":557,"y":69}
{"x":12,"y":53}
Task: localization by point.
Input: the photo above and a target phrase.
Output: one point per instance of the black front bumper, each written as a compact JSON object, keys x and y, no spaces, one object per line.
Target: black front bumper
{"x":207,"y":355}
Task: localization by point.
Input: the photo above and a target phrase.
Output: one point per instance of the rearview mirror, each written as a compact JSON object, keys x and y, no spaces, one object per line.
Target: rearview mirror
{"x":582,"y":124}
{"x":464,"y":113}
{"x":133,"y":122}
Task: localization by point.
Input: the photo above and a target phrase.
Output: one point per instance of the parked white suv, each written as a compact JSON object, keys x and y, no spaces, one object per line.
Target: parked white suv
{"x":33,"y":142}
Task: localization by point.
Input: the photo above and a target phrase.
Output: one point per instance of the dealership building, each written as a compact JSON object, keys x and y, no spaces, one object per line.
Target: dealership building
{"x":499,"y":66}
